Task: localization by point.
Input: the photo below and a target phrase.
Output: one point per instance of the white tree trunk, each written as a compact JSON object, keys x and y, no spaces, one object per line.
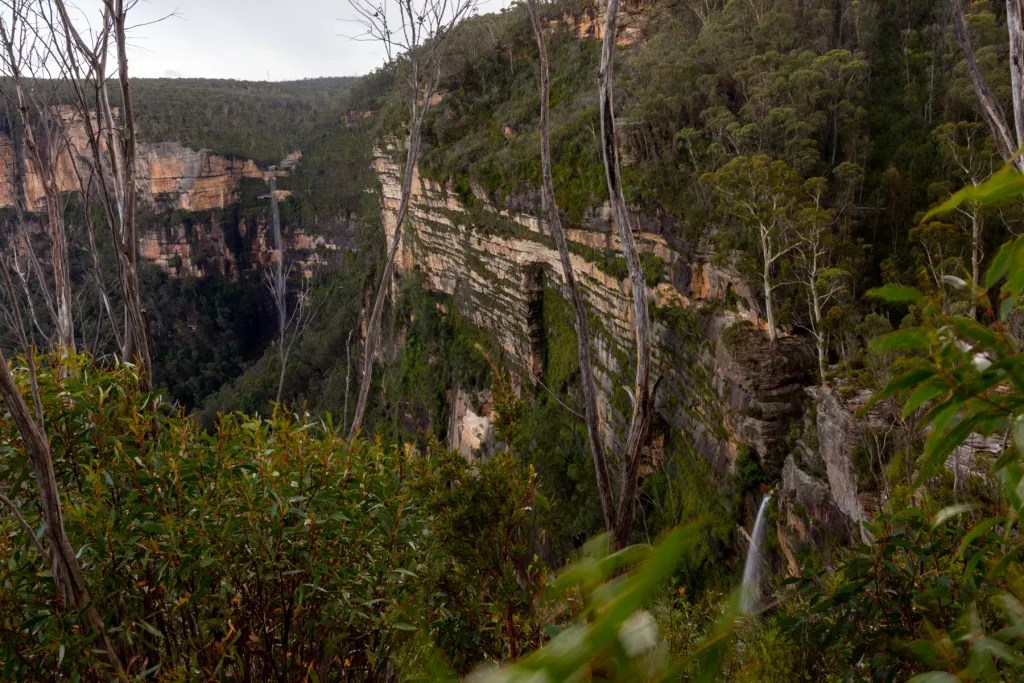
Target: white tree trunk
{"x":643,"y":402}
{"x":587,"y":382}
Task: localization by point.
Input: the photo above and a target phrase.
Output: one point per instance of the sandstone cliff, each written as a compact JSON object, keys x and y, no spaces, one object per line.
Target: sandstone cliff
{"x":722,"y":385}
{"x":229,"y":246}
{"x":171,"y":176}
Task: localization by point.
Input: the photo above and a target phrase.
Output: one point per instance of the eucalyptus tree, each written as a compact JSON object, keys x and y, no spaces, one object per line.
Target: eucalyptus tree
{"x":761,"y":196}
{"x":815,"y":255}
{"x":40,"y":41}
{"x":643,"y":396}
{"x":971,"y":154}
{"x":23,"y":63}
{"x":24,"y":49}
{"x":84,"y":60}
{"x":1007,"y":134}
{"x":416,"y":41}
{"x":579,"y":307}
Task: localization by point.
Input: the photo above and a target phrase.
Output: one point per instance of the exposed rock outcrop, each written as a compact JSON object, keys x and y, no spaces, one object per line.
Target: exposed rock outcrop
{"x":472,"y":430}
{"x":815,"y":500}
{"x":171,"y":176}
{"x":209,"y":247}
{"x":722,"y":384}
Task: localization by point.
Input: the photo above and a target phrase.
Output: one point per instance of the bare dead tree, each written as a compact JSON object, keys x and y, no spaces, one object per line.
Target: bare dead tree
{"x":576,"y":298}
{"x":83,"y":61}
{"x":276,"y":281}
{"x":1008,"y":137}
{"x":21,"y":59}
{"x":420,"y":37}
{"x":643,"y":397}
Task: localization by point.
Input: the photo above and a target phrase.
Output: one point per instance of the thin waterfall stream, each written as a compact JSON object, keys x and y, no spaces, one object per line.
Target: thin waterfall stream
{"x":750,"y":591}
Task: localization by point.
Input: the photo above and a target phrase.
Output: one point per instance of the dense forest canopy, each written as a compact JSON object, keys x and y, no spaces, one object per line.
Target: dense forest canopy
{"x":253,"y":120}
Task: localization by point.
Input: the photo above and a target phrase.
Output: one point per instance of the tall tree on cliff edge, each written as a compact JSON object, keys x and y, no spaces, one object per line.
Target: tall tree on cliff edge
{"x":1008,"y":136}
{"x":578,"y":305}
{"x":418,"y":39}
{"x":83,"y":61}
{"x":643,"y":396}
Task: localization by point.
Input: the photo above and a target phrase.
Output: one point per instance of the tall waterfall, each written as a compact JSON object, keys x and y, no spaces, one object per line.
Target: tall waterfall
{"x":750,"y":592}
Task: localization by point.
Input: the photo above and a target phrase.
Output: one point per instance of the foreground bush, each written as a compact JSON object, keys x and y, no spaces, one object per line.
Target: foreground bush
{"x":269,"y":549}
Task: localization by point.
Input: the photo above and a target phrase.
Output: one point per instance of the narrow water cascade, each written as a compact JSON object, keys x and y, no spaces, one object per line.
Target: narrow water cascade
{"x":750,"y":591}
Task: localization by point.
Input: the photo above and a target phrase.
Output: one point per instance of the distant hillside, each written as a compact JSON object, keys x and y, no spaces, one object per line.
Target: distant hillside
{"x":256,"y":120}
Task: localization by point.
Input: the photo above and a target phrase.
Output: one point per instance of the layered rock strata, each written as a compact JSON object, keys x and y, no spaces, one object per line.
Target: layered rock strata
{"x":721,"y":386}
{"x":171,"y":176}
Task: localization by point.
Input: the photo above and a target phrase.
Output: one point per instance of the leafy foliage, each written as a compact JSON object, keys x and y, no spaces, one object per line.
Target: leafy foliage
{"x":943,"y":595}
{"x":265,"y":548}
{"x":616,"y":639}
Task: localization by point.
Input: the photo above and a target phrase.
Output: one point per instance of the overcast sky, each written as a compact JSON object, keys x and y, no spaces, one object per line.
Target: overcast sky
{"x":248,"y":39}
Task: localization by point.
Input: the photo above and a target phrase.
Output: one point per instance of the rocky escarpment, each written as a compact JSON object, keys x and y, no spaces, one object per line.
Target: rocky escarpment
{"x":219,"y":245}
{"x":721,"y":385}
{"x":175,"y":177}
{"x":197,"y":184}
{"x":724,"y":389}
{"x":170,"y":175}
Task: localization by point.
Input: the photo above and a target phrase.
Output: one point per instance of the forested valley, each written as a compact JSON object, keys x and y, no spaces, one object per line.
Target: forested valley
{"x":638,"y":340}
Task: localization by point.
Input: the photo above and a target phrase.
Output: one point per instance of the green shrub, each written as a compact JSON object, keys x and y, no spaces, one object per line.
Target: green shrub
{"x":264,"y":549}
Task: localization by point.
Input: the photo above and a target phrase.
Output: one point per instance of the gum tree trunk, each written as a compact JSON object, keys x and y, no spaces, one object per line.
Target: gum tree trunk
{"x":579,"y":307}
{"x":1007,"y":142}
{"x":67,"y":573}
{"x":374,"y":324}
{"x":643,"y":403}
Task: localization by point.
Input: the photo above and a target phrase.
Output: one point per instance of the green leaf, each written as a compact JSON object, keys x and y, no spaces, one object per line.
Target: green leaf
{"x":912,"y":339}
{"x":980,"y":529}
{"x":1006,"y":307}
{"x":1018,"y":433}
{"x":1000,"y":264}
{"x":1001,"y":186}
{"x":934,"y":677}
{"x":896,"y":294}
{"x":150,"y":628}
{"x":949,"y":512}
{"x":924,"y":393}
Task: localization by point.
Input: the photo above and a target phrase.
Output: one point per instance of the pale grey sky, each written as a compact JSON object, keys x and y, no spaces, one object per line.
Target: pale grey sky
{"x":248,"y":39}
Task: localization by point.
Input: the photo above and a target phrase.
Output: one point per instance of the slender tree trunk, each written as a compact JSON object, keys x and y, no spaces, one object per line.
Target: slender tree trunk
{"x":67,"y":573}
{"x":578,"y":305}
{"x":976,"y":257}
{"x":278,"y":288}
{"x":61,"y":274}
{"x":766,"y":279}
{"x":769,"y":306}
{"x":348,"y":376}
{"x":47,"y":172}
{"x":374,"y":323}
{"x":991,"y":111}
{"x":643,"y":404}
{"x":1015,"y":28}
{"x":136,"y":332}
{"x":819,"y":335}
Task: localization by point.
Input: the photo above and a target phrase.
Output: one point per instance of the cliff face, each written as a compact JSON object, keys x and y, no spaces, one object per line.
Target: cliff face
{"x":190,"y":249}
{"x":171,"y":176}
{"x":721,"y":385}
